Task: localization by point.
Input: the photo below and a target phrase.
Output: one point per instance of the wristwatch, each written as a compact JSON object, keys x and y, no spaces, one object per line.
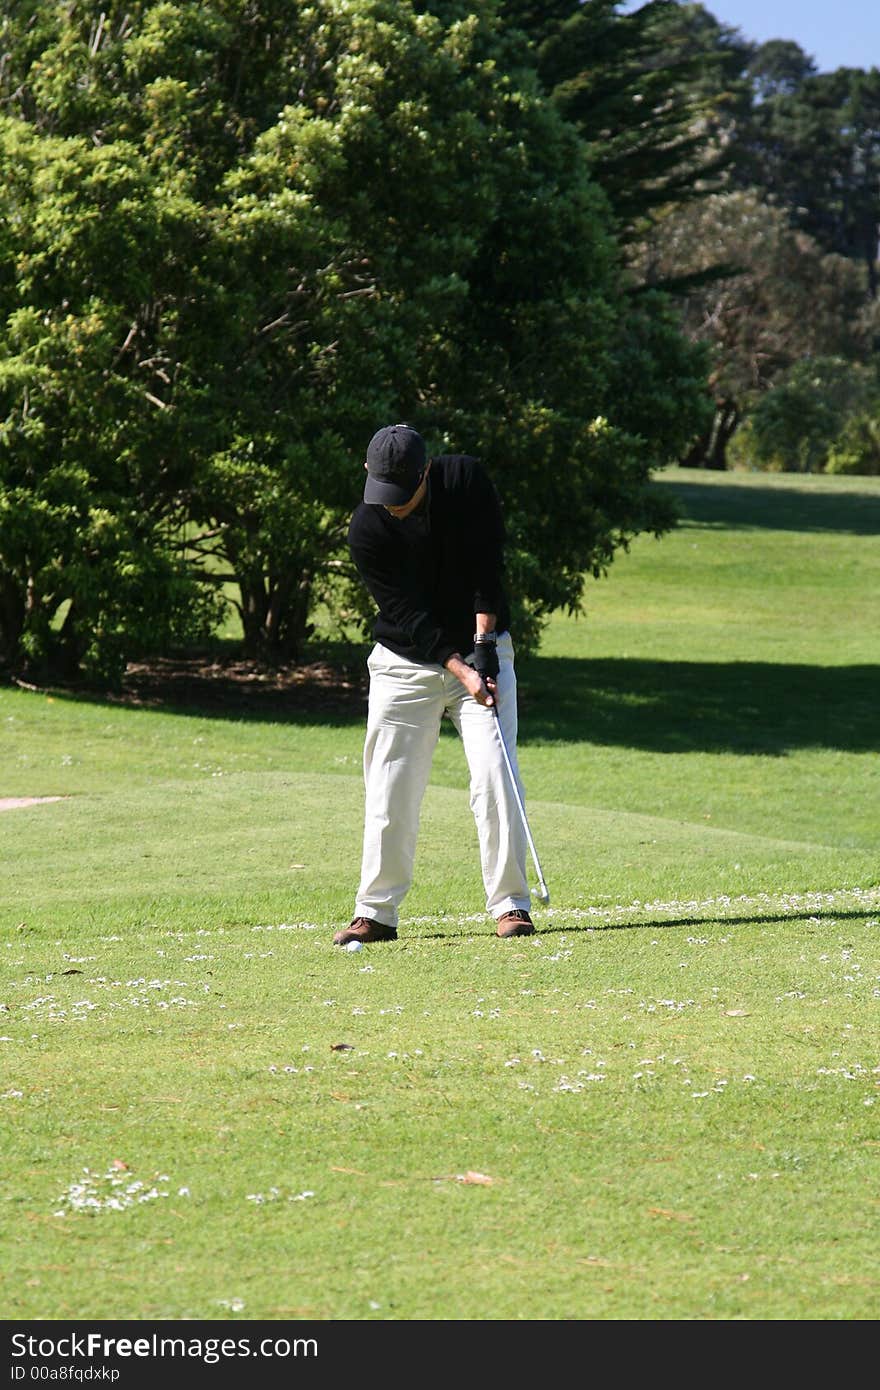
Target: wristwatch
{"x":485,"y":637}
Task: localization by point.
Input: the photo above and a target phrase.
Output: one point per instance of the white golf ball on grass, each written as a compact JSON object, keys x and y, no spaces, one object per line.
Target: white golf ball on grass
{"x":353,"y":946}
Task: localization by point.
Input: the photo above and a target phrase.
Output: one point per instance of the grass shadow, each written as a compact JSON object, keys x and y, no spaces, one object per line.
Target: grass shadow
{"x":661,"y":706}
{"x":774,"y":505}
{"x":569,"y":928}
{"x":746,"y":707}
{"x":754,"y":919}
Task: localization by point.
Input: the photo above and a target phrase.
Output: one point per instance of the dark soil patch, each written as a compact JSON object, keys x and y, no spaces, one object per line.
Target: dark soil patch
{"x":235,"y":687}
{"x":244,"y":686}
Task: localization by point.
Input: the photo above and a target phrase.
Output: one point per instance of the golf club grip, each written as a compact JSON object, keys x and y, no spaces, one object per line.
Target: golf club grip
{"x":519,"y":802}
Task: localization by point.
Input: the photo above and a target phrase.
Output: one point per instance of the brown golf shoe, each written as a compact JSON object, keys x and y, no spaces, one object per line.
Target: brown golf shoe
{"x":364,"y":929}
{"x":515,"y":923}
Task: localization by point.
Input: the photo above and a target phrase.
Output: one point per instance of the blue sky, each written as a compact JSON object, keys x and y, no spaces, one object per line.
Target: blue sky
{"x":836,"y":33}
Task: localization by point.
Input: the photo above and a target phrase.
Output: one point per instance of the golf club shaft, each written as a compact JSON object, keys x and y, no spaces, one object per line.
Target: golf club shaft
{"x":544,"y":891}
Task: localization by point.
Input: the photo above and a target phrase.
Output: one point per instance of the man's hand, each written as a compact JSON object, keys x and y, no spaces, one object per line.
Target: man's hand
{"x":481,"y":687}
{"x":486,"y":660}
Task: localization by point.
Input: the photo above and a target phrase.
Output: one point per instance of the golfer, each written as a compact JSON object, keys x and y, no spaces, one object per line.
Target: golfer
{"x":427,"y":541}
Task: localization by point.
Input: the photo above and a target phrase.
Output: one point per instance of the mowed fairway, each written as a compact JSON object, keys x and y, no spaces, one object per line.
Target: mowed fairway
{"x":666,"y":1105}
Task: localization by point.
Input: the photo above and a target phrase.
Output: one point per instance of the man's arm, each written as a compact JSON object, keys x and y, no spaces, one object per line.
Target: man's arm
{"x":388,"y":589}
{"x":391,"y":589}
{"x":489,"y":548}
{"x":476,"y":682}
{"x":479,"y":680}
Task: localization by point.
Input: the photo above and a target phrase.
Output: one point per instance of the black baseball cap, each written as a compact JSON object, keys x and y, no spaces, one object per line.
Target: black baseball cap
{"x":396,"y":457}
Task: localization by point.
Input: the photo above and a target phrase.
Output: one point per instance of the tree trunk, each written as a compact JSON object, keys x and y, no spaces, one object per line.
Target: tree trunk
{"x":70,"y":647}
{"x":871,"y":258}
{"x":696,"y":454}
{"x":11,"y":621}
{"x":710,"y":449}
{"x":254,"y":609}
{"x":724,"y":425}
{"x":275,"y":617}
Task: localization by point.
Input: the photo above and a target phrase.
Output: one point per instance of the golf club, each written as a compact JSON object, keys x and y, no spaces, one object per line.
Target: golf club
{"x":543,"y":891}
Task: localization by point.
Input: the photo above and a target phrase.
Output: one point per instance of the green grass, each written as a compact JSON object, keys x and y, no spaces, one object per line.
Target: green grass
{"x":670,"y":1094}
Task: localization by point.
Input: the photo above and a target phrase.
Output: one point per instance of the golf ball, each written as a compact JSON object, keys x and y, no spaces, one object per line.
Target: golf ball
{"x":354,"y":946}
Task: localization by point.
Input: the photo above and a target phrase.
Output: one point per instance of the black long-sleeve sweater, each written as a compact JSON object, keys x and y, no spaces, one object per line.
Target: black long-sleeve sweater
{"x":430,"y":573}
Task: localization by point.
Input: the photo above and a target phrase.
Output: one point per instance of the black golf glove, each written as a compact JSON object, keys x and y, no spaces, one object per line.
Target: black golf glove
{"x":486,"y":659}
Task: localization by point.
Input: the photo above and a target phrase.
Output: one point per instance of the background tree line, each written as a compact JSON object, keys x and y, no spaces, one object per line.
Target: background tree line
{"x":239,"y":234}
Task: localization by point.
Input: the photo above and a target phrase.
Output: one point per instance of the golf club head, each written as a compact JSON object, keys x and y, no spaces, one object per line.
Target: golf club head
{"x":544,"y":894}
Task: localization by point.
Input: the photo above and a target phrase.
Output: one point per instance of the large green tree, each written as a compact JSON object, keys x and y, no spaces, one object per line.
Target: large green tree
{"x":238,"y":238}
{"x":783,"y":299}
{"x":649,"y":91}
{"x":94,"y":436}
{"x":812,"y":142}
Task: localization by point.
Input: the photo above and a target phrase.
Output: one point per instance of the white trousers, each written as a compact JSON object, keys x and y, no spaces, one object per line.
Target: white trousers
{"x":407,"y":702}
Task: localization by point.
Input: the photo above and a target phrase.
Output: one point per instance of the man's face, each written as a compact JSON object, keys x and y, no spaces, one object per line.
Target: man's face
{"x":409,"y":507}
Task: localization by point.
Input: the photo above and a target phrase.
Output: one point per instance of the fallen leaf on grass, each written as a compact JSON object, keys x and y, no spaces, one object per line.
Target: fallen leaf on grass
{"x":737,"y":1013}
{"x":118,"y":1163}
{"x":342,"y":1047}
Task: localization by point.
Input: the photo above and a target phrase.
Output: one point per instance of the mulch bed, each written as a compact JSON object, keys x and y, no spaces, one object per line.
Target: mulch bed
{"x":235,"y":687}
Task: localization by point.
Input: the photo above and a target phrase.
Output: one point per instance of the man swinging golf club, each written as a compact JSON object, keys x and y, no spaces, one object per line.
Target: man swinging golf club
{"x":427,"y":541}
